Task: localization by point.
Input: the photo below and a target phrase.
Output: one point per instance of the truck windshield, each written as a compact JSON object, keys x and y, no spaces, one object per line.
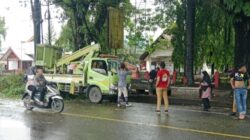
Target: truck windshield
{"x":113,"y":65}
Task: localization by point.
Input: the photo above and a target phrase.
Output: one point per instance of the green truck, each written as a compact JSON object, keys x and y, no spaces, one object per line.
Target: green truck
{"x":84,"y":71}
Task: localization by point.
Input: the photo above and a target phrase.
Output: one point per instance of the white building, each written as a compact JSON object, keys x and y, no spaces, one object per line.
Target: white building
{"x":162,"y":52}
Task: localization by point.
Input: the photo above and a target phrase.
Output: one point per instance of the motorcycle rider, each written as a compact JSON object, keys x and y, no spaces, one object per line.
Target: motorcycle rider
{"x":29,"y":80}
{"x":40,"y":82}
{"x":37,"y":84}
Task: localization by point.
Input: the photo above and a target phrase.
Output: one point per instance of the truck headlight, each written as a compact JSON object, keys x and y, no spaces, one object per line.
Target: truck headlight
{"x":113,"y":87}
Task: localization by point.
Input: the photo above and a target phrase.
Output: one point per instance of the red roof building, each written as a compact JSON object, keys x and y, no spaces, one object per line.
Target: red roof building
{"x":16,"y":60}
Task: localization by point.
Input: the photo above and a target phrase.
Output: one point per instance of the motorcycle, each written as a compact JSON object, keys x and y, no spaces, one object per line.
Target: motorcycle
{"x":52,"y":99}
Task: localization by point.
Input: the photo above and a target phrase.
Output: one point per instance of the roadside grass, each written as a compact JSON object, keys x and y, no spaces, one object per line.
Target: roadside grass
{"x":11,"y":86}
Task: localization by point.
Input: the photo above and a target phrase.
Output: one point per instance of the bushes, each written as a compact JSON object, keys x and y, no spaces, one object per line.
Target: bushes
{"x":11,"y":85}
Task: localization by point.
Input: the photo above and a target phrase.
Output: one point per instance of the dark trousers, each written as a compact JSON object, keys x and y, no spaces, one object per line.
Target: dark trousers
{"x":42,"y":91}
{"x":151,"y":86}
{"x":206,"y":103}
{"x":34,"y":90}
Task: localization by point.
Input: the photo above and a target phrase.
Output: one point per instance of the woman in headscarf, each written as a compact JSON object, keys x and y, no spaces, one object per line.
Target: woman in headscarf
{"x":206,"y":90}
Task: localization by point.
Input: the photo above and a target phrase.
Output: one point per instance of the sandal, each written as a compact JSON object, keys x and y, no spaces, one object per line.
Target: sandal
{"x":241,"y":117}
{"x":158,"y":111}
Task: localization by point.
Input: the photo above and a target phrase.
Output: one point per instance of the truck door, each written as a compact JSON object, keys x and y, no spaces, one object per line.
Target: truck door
{"x":98,"y":75}
{"x":113,"y":66}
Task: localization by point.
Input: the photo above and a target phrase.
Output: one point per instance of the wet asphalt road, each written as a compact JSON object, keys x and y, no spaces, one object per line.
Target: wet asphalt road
{"x":85,"y":121}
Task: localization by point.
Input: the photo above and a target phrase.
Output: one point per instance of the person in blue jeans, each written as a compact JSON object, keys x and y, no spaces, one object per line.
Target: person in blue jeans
{"x":240,"y":82}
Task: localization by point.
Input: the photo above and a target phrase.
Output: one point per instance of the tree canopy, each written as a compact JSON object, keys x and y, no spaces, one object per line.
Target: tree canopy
{"x":214,"y":34}
{"x":239,"y":11}
{"x":221,"y":34}
{"x":86,"y":21}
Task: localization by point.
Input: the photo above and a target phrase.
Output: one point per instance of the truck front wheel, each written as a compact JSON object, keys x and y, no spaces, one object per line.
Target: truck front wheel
{"x":95,"y":95}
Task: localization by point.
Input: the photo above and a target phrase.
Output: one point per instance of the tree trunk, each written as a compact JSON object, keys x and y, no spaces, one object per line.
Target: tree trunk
{"x":37,"y":21}
{"x":36,"y":17}
{"x":212,"y":69}
{"x":190,"y":28}
{"x":242,"y":42}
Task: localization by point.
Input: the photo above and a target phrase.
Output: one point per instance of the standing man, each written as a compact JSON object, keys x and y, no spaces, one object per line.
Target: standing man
{"x":239,"y":84}
{"x":122,"y":85}
{"x":162,"y":85}
{"x":152,"y":78}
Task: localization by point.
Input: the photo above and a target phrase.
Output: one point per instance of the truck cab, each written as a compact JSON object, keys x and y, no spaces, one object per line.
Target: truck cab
{"x":101,"y":75}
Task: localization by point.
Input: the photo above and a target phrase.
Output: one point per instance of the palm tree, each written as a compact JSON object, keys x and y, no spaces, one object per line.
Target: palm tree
{"x":190,"y":26}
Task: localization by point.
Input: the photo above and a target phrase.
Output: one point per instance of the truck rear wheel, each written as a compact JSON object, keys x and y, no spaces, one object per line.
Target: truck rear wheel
{"x":95,"y":95}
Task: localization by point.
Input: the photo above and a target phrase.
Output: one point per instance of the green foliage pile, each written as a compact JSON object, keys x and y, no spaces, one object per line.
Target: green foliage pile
{"x":11,"y":86}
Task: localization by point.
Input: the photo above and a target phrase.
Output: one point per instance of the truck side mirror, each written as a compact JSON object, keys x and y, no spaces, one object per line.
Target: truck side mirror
{"x":110,"y":73}
{"x":113,"y":71}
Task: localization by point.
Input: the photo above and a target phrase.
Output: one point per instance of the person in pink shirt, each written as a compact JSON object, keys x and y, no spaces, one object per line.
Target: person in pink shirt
{"x":205,"y":86}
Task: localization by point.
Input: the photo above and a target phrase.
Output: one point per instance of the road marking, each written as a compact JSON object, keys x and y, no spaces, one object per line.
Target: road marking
{"x":199,"y":111}
{"x":158,"y":126}
{"x":208,"y":112}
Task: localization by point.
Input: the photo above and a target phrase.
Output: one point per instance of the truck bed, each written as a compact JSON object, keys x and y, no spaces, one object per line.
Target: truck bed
{"x":64,"y":78}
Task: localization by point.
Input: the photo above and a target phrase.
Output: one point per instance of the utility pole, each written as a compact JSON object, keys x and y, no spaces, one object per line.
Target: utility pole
{"x":36,"y":16}
{"x":135,"y":24}
{"x":190,"y":30}
{"x":49,"y":24}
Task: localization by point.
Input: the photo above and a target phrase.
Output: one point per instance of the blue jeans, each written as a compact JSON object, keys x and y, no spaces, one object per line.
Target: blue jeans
{"x":241,"y":100}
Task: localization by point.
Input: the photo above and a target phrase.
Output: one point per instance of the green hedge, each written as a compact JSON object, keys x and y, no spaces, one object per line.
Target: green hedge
{"x":11,"y":85}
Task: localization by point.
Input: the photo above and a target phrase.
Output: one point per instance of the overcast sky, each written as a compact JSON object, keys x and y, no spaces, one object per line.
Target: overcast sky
{"x":19,"y":23}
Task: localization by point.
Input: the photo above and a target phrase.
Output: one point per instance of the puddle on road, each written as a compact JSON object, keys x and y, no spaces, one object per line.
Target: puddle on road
{"x":13,"y":129}
{"x":10,"y":103}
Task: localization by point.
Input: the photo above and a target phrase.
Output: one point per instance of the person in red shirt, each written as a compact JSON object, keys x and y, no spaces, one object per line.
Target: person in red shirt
{"x":162,"y":85}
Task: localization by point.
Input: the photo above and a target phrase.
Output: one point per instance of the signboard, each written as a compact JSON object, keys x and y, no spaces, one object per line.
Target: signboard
{"x":115,"y":28}
{"x":170,"y":68}
{"x":13,"y":65}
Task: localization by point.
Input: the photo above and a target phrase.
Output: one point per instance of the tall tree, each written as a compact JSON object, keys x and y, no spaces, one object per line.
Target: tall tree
{"x":87,"y":20}
{"x":2,"y":30}
{"x":214,"y":35}
{"x":36,"y":14}
{"x":240,"y":11}
{"x":37,"y":19}
{"x":190,"y":30}
{"x":177,"y":30}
